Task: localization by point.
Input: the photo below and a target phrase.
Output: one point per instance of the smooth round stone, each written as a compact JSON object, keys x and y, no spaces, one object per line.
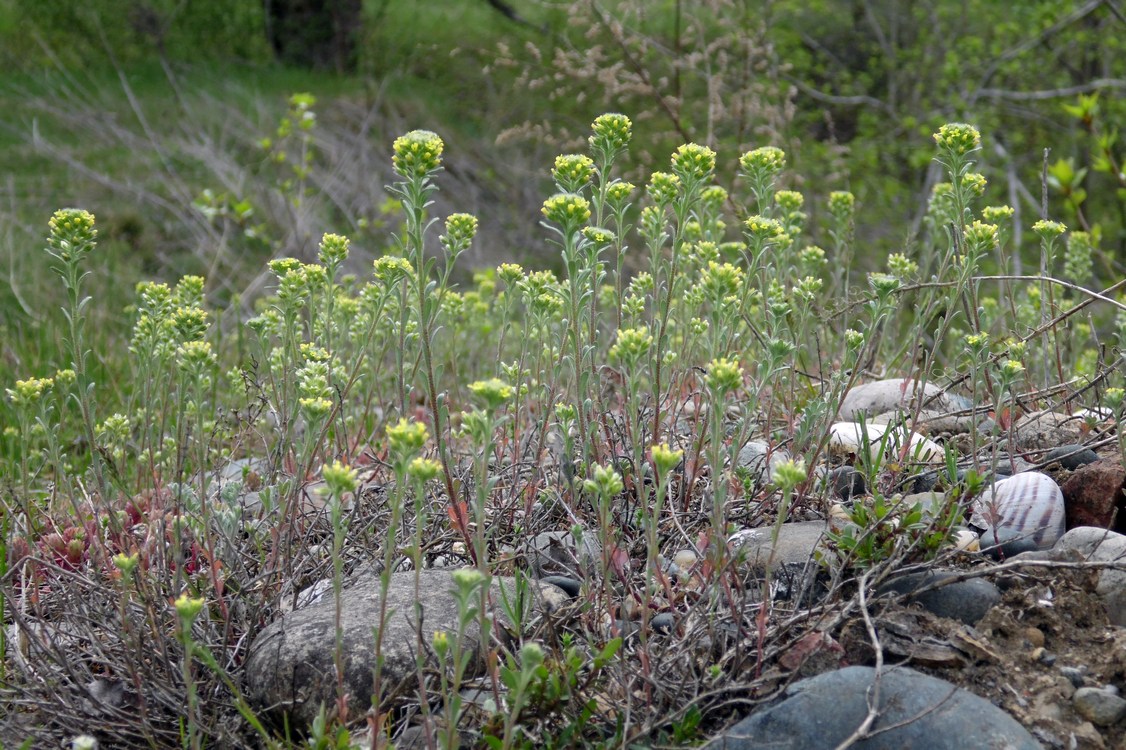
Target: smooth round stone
{"x":663,"y":622}
{"x":1004,"y":544}
{"x":1025,"y":507}
{"x":846,"y":481}
{"x":915,"y":711}
{"x":796,"y":543}
{"x":569,"y":586}
{"x":761,"y":460}
{"x":896,"y":393}
{"x":1075,"y":675}
{"x":1071,"y":457}
{"x":924,"y":482}
{"x":1100,"y":545}
{"x":685,"y":559}
{"x":966,"y":540}
{"x":1099,"y":706}
{"x":848,"y":437}
{"x":967,"y":601}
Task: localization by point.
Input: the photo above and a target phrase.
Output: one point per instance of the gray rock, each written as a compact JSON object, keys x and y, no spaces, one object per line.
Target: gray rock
{"x":556,"y":553}
{"x":1004,"y":543}
{"x":915,"y":711}
{"x":967,"y":601}
{"x":794,"y":565}
{"x":936,"y":421}
{"x":753,"y":456}
{"x":896,"y":393}
{"x":1043,"y":430}
{"x":1075,"y":675}
{"x":1071,"y":457}
{"x":570,"y":586}
{"x":290,"y":671}
{"x":1103,"y":546}
{"x":1099,"y":706}
{"x":796,"y":542}
{"x":663,"y":622}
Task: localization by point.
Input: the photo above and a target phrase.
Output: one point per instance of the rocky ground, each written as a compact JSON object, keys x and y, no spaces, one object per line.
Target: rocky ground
{"x":1034,"y":627}
{"x":1015,"y":638}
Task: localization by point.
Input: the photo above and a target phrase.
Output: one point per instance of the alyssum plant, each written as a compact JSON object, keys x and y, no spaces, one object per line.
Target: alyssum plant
{"x":180,"y":512}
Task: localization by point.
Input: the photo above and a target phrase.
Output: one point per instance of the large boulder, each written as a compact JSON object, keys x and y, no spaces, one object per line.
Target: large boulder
{"x":914,"y":711}
{"x":290,"y":672}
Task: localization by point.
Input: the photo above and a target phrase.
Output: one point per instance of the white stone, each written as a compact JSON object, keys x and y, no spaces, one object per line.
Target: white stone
{"x":848,"y":437}
{"x":1025,"y":506}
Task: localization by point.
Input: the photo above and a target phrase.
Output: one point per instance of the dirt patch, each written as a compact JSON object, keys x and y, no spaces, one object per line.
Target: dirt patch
{"x":1048,"y":636}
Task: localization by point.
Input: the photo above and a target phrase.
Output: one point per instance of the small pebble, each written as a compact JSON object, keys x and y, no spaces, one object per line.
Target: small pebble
{"x":569,"y":585}
{"x":663,"y":622}
{"x":1034,"y":636}
{"x":1074,"y":674}
{"x":1047,"y":658}
{"x":685,"y":559}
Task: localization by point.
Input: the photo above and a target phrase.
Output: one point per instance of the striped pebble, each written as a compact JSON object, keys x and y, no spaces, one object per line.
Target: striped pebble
{"x":847,"y":437}
{"x":1027,"y":506}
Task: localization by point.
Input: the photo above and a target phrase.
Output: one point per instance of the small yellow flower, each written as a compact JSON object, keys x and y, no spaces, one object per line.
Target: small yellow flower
{"x":789,"y":201}
{"x":607,"y":482}
{"x":1049,"y":230}
{"x":72,"y":233}
{"x":789,"y":473}
{"x":494,"y":392}
{"x":618,"y":194}
{"x":460,"y":229}
{"x":417,"y":154}
{"x":406,"y":437}
{"x":340,"y":479}
{"x":612,"y":133}
{"x":723,"y":375}
{"x":981,"y":237}
{"x":958,"y":138}
{"x":333,"y":249}
{"x":997,"y":214}
{"x":424,"y":469}
{"x":126,"y":564}
{"x":767,"y":161}
{"x":567,"y":209}
{"x":572,"y":172}
{"x":693,"y":162}
{"x":28,"y":392}
{"x":188,"y":609}
{"x":390,"y":268}
{"x":632,"y":346}
{"x":842,"y":204}
{"x":762,"y":229}
{"x":665,"y":459}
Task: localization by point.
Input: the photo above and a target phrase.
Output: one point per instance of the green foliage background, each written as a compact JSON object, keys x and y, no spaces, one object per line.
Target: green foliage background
{"x":852,"y":91}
